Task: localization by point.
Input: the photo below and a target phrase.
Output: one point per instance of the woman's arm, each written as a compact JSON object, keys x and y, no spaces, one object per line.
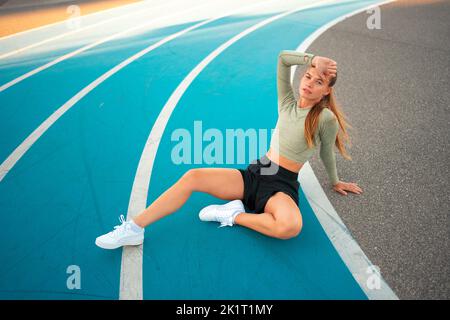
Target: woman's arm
{"x":327,"y":141}
{"x":286,"y":59}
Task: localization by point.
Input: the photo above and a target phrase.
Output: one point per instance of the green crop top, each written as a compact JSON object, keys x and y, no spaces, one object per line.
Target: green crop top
{"x":288,"y":137}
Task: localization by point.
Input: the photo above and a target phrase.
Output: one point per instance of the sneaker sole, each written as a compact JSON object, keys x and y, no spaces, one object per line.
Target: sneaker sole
{"x":204,"y":214}
{"x":111,"y":246}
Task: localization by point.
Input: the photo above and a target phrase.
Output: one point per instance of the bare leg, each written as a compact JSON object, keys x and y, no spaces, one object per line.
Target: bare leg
{"x":263,"y":222}
{"x":281,"y":219}
{"x":170,"y":201}
{"x":222,"y":183}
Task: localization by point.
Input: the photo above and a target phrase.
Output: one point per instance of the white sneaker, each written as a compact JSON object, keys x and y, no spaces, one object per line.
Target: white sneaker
{"x":224,"y":213}
{"x":122,"y":235}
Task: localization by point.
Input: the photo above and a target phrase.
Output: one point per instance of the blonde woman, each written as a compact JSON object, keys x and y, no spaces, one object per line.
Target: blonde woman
{"x":268,"y":186}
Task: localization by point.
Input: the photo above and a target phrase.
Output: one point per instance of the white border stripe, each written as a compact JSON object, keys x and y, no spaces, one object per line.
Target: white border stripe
{"x":12,"y":159}
{"x":349,"y":250}
{"x":130,"y":5}
{"x":78,"y":30}
{"x":131,"y":273}
{"x":94,"y":44}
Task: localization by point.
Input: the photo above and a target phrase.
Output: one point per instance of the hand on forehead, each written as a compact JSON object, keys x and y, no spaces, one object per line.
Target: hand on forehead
{"x":325,"y":75}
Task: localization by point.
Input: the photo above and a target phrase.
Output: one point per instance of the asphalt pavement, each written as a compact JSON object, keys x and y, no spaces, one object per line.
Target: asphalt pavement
{"x":393,"y":85}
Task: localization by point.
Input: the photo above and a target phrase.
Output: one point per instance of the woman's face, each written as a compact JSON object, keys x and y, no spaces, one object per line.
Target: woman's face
{"x":313,"y":85}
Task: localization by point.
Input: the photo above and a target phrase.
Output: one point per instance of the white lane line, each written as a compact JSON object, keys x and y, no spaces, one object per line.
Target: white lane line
{"x":12,"y":159}
{"x":90,"y":46}
{"x":102,"y":12}
{"x":15,"y":156}
{"x":351,"y":253}
{"x":346,"y":246}
{"x":78,"y":30}
{"x":131,"y":271}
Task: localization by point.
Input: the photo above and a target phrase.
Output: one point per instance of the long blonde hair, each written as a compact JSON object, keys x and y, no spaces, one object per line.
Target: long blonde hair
{"x":312,"y":121}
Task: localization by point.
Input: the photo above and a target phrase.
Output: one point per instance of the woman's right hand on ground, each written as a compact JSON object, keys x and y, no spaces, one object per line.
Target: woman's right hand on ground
{"x":326,"y":66}
{"x":342,"y":187}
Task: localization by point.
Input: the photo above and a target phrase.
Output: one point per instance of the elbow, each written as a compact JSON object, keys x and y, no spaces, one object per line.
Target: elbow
{"x":281,"y":58}
{"x":281,"y":54}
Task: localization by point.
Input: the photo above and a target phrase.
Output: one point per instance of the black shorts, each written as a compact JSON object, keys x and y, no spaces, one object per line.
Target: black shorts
{"x":263,"y":179}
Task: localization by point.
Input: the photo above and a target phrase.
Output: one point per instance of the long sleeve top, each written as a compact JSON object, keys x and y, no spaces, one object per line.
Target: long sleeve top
{"x":288,"y":137}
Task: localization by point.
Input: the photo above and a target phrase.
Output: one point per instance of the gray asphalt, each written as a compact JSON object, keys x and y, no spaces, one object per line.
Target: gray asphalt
{"x":393,"y":85}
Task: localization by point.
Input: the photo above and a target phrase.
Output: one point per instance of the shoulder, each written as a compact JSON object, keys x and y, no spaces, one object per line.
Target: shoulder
{"x":326,"y":117}
{"x":328,"y":125}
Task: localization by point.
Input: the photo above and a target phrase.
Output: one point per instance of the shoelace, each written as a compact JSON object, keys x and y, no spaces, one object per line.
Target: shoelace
{"x":122,"y":227}
{"x":229,"y":223}
{"x":223,"y":224}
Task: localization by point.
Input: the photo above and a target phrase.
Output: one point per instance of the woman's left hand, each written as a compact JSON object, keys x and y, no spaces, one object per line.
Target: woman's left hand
{"x":341,"y":186}
{"x":327,"y":67}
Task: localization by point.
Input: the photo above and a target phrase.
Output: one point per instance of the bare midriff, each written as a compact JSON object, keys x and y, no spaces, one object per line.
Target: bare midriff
{"x":283,"y":161}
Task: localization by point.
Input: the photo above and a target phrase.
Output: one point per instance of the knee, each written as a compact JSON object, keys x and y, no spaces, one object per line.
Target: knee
{"x":191,"y":177}
{"x":288,"y":230}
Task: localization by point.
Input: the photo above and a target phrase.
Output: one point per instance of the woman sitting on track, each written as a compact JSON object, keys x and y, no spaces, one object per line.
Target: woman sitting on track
{"x":270,"y":185}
